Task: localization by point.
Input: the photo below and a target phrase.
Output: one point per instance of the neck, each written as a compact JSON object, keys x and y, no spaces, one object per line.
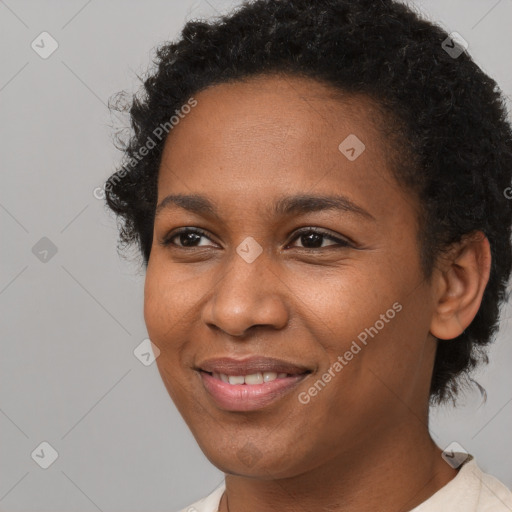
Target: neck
{"x":398,"y":473}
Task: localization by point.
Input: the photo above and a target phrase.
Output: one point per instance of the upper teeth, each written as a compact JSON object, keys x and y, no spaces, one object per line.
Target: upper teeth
{"x":254,"y":378}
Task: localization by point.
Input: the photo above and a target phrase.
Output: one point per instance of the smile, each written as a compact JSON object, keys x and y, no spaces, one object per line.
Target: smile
{"x":249,"y":384}
{"x":251,"y":380}
{"x":238,"y":395}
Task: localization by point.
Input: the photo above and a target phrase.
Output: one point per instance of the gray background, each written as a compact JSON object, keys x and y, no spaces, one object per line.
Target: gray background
{"x":69,"y":325}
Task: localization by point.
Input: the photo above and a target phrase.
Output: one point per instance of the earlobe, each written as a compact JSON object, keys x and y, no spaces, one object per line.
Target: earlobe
{"x":460,"y":285}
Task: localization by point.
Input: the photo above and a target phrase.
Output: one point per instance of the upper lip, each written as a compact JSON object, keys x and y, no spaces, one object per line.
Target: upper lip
{"x":250,"y":365}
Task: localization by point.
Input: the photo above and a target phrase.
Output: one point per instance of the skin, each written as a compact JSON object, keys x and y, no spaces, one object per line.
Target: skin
{"x":244,"y":146}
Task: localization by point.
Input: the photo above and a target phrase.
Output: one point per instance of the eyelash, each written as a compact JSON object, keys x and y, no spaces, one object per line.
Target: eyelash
{"x":167,"y":240}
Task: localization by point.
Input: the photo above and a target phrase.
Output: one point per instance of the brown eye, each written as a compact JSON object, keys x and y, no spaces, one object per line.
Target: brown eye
{"x":315,"y":239}
{"x":186,"y":237}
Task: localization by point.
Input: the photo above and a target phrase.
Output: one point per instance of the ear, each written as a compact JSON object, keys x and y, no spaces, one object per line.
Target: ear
{"x":460,"y":281}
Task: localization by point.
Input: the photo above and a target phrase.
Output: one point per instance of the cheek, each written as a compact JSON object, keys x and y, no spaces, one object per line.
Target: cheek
{"x":164,"y":322}
{"x":154,"y":304}
{"x":167,"y":299}
{"x":163,"y":310}
{"x":172,"y":302}
{"x":375,"y":319}
{"x":348,"y":302}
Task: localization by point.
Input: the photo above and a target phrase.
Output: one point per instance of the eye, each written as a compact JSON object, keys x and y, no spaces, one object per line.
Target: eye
{"x":311,"y":238}
{"x":186,"y":237}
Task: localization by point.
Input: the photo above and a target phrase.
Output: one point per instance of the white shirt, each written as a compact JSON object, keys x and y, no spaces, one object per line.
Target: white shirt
{"x":470,"y":491}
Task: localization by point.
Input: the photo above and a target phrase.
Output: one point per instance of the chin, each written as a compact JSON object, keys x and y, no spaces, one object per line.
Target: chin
{"x":254,"y":460}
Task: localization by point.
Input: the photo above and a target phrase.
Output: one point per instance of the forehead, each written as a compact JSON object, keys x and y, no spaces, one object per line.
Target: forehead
{"x":266,"y":108}
{"x":263,"y":136}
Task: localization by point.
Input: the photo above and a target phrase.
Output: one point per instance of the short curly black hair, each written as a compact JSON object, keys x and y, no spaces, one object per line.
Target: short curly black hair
{"x":448,"y":118}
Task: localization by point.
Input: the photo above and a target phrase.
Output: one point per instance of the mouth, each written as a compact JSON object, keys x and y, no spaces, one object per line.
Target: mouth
{"x":250,"y":380}
{"x":249,"y":384}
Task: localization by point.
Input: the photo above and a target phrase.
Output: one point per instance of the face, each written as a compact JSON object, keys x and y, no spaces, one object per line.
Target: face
{"x":282,"y":251}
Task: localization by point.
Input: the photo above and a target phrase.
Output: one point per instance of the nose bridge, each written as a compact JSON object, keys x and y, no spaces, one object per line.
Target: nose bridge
{"x":246,"y":295}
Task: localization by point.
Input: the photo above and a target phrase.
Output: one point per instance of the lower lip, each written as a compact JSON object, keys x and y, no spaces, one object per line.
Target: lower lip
{"x":248,"y":397}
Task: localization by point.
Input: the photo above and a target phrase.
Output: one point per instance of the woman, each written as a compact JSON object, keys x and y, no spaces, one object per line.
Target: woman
{"x":318,"y":193}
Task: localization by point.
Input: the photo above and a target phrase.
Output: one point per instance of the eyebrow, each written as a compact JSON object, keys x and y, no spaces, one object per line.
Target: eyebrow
{"x":299,"y":204}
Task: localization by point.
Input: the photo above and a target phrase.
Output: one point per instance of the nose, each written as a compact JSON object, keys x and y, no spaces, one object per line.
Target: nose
{"x":247,"y":295}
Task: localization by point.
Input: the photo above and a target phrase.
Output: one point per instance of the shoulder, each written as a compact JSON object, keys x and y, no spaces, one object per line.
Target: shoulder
{"x":209,"y":503}
{"x":494,"y":495}
{"x":471,"y":490}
